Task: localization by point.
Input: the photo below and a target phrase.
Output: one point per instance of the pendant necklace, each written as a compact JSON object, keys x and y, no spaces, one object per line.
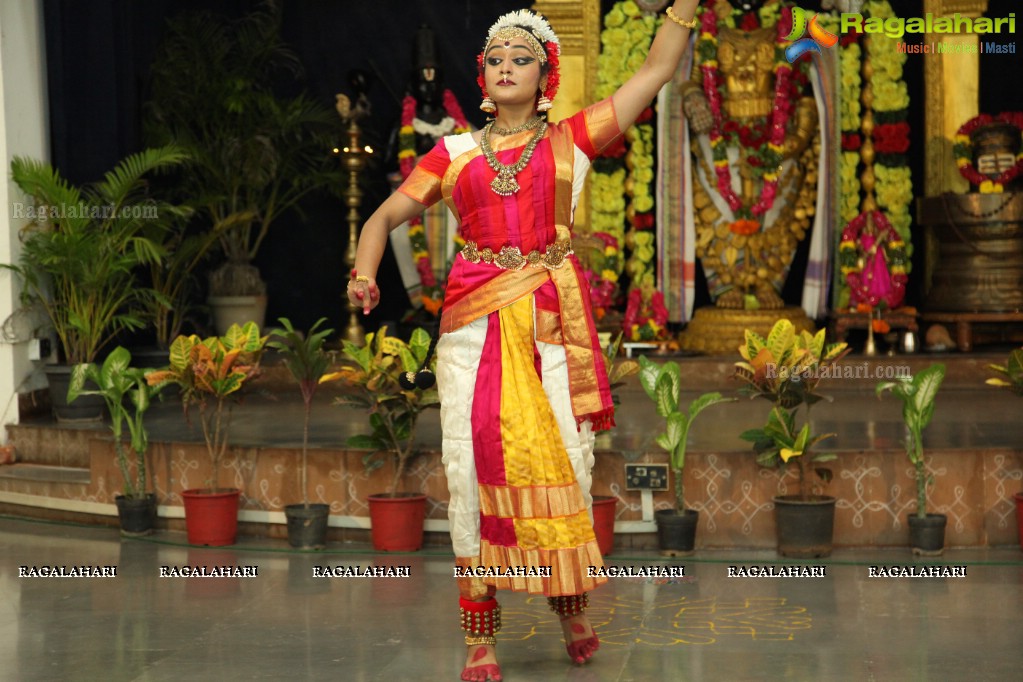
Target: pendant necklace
{"x":505,"y":184}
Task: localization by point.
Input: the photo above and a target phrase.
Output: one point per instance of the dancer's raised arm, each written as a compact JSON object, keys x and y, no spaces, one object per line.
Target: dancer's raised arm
{"x":665,"y":52}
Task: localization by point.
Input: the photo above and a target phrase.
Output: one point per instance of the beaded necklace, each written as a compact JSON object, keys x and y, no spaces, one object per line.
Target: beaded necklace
{"x":505,"y":184}
{"x":528,"y":125}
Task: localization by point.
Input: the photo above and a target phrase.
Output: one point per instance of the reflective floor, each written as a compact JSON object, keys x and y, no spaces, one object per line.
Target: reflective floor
{"x":286,"y":624}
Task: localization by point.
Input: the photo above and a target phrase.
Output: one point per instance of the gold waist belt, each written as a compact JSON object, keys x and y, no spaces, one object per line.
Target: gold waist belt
{"x":511,"y":258}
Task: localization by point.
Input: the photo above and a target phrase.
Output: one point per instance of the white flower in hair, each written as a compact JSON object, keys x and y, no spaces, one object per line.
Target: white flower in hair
{"x":536,"y":24}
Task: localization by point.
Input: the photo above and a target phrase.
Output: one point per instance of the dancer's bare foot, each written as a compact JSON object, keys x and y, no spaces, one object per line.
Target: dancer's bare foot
{"x":481,"y":664}
{"x":580,"y":639}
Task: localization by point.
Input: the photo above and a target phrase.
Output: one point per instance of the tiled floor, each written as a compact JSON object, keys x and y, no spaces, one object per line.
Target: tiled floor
{"x":285,"y":624}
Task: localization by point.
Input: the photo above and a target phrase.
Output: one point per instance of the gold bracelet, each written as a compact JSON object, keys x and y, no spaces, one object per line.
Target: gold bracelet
{"x":678,"y":20}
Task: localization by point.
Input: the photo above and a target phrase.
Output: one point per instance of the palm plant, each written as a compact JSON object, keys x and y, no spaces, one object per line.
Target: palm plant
{"x":81,"y":251}
{"x":305,"y":358}
{"x":254,"y":154}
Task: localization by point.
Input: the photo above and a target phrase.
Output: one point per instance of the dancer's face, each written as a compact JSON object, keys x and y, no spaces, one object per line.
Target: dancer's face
{"x":511,"y":70}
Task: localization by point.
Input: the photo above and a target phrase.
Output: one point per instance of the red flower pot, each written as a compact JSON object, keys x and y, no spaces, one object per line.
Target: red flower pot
{"x":211,"y":516}
{"x":396,"y":521}
{"x":604,"y":510}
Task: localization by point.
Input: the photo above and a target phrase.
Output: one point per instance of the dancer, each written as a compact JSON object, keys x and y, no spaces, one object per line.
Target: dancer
{"x":520,"y":372}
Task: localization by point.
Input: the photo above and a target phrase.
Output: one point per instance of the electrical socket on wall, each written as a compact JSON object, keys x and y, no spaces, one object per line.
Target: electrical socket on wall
{"x":38,"y":349}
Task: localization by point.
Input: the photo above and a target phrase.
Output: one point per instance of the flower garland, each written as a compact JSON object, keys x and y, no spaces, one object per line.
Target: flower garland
{"x":963,"y":149}
{"x":645,"y":315}
{"x":620,"y":183}
{"x":849,"y":260}
{"x":432,"y":294}
{"x":766,"y":143}
{"x":894,"y":184}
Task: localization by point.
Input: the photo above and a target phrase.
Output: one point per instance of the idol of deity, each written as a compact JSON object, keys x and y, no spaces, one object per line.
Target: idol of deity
{"x":754,"y":143}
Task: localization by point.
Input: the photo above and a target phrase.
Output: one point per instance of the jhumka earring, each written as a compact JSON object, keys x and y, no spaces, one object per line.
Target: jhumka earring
{"x":543,"y":104}
{"x":488,"y":105}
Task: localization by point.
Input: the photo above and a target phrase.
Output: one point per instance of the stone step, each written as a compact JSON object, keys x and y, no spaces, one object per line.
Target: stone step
{"x":44,"y":473}
{"x":49,"y":444}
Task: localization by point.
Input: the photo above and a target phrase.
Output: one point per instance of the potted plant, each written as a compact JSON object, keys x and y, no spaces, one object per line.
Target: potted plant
{"x":120,"y":385}
{"x":254,"y":154}
{"x":676,"y":528}
{"x":785,"y":369}
{"x":80,"y":254}
{"x":605,"y":507}
{"x":209,"y":374}
{"x":917,"y":393}
{"x":1012,"y":370}
{"x":372,"y":374}
{"x":307,"y":361}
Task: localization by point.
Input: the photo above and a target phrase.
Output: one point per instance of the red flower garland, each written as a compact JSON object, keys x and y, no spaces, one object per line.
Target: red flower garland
{"x":777,"y":124}
{"x":962,"y":149}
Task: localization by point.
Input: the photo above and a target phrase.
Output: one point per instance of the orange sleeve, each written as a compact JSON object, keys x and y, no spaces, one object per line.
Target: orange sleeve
{"x":595,"y":127}
{"x":423,"y":183}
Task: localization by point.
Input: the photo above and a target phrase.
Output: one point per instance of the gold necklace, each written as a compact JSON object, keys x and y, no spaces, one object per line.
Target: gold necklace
{"x":528,"y":125}
{"x":505,"y":184}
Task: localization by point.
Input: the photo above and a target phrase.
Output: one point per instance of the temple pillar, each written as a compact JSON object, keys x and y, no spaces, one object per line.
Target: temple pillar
{"x":952,"y":96}
{"x":577,"y":23}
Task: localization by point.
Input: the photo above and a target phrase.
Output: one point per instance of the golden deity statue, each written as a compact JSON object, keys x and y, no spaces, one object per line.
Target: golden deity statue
{"x":755,"y":148}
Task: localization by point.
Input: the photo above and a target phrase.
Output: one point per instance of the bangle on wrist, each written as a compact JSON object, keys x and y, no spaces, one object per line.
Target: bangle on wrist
{"x":691,"y":24}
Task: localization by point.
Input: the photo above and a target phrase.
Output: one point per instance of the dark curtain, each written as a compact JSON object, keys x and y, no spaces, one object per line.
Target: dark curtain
{"x":98,"y":55}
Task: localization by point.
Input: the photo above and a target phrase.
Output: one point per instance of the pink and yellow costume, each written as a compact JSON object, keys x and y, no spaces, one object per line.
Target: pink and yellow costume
{"x":520,"y":372}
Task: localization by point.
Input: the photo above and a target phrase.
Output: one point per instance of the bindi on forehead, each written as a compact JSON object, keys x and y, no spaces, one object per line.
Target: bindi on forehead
{"x":509,"y":45}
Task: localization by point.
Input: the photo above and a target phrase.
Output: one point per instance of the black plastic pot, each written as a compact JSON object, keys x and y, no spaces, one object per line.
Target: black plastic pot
{"x":927,"y":535}
{"x":806,"y":527}
{"x":307,"y":526}
{"x":676,"y":533}
{"x":137,"y":515}
{"x":87,"y":408}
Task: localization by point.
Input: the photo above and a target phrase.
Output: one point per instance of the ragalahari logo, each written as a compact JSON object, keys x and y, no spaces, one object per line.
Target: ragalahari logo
{"x":817,"y":39}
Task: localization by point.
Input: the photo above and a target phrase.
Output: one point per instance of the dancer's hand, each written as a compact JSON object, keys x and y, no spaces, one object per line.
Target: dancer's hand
{"x":363,"y":292}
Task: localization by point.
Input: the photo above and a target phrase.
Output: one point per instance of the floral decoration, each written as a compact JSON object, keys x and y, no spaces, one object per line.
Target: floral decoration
{"x":764,"y":143}
{"x":963,"y":150}
{"x":455,"y":122}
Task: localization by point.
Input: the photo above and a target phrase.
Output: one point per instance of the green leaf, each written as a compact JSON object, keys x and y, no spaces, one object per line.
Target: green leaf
{"x":365,"y":442}
{"x":667,"y":397}
{"x":927,"y":382}
{"x":705,"y":401}
{"x":649,"y":372}
{"x":419,"y":344}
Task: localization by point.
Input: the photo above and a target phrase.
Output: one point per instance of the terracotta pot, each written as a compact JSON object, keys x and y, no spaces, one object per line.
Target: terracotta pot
{"x":604,"y":510}
{"x":397,"y":521}
{"x":211,"y":516}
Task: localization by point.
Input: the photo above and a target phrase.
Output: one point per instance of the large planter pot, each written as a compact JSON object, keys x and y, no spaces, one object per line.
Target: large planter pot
{"x":927,"y":535}
{"x":1019,"y":516}
{"x":397,"y":521}
{"x":87,"y":408}
{"x":805,"y":526}
{"x":676,"y":533}
{"x":211,"y":516}
{"x":137,"y":515}
{"x":228,"y":310}
{"x":604,"y":510}
{"x":307,"y":526}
